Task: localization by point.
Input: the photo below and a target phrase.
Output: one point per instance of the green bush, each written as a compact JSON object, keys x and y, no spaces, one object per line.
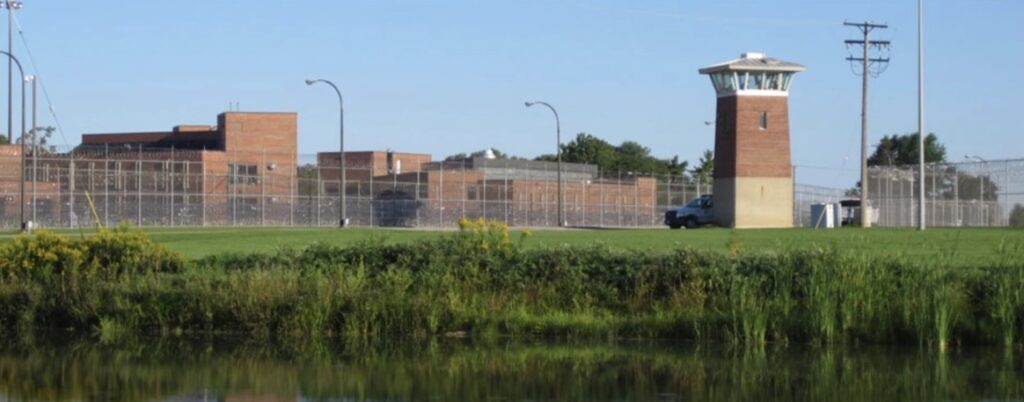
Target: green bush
{"x":40,"y":256}
{"x":109,"y":254}
{"x":118,"y":252}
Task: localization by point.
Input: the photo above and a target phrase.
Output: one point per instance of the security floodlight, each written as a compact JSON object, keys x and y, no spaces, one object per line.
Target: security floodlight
{"x":343,"y":220}
{"x":558,"y":153}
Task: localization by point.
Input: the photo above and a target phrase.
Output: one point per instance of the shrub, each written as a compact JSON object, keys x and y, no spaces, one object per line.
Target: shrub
{"x":113,"y":253}
{"x":108,"y":254}
{"x":39,"y":256}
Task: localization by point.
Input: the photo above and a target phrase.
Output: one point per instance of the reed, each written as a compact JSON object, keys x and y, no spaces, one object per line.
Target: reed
{"x":482,"y":282}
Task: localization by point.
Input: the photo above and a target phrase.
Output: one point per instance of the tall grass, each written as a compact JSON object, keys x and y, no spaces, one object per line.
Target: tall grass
{"x":482,"y":282}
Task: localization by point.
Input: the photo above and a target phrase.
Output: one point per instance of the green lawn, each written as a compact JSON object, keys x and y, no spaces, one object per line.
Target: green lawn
{"x":963,"y":245}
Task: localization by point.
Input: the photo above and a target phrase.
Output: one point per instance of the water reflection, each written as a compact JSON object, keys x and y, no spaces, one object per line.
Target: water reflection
{"x":174,"y":369}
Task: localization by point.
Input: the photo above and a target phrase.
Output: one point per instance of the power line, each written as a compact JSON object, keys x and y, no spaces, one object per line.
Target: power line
{"x":870,"y":67}
{"x":42,"y":84}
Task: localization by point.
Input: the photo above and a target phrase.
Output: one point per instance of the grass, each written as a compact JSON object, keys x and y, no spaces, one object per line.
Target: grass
{"x":485,"y":281}
{"x":965,"y":246}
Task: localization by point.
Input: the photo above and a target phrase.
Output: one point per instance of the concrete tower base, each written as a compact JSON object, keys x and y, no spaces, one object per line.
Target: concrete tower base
{"x":754,"y":202}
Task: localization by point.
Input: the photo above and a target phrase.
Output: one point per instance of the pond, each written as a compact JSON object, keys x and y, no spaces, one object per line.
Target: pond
{"x":451,"y":369}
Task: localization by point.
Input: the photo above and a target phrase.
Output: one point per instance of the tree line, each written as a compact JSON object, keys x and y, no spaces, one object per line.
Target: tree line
{"x":627,"y":157}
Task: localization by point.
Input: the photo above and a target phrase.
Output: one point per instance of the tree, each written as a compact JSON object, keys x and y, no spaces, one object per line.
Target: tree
{"x":308,"y":176}
{"x":630,"y":156}
{"x":896,"y":150}
{"x":705,"y":167}
{"x":4,"y":140}
{"x":586,"y":148}
{"x":479,"y":154}
{"x":901,"y":150}
{"x":1017,"y":216}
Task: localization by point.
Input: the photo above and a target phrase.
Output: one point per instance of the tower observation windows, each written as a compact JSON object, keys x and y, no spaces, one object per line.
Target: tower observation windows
{"x":732,"y":81}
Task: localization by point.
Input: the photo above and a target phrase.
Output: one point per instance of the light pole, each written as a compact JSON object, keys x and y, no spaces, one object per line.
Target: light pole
{"x":558,"y":137}
{"x":920,"y":111}
{"x":342,"y":219}
{"x":35,"y":145}
{"x":12,"y":5}
{"x":10,"y":128}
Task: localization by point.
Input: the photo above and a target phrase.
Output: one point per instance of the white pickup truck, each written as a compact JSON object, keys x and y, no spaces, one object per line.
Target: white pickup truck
{"x":696,"y":213}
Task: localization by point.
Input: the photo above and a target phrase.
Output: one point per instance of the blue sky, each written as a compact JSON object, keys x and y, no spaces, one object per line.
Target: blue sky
{"x":444,"y":77}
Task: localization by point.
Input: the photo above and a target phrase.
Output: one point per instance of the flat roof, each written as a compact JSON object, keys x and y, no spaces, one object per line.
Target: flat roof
{"x":754,"y":62}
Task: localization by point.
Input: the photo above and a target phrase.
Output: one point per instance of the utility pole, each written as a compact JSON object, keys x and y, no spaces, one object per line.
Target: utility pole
{"x":920,"y":111}
{"x":870,"y":67}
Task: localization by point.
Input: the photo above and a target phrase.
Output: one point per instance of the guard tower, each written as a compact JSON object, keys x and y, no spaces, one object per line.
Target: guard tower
{"x":753,"y":170}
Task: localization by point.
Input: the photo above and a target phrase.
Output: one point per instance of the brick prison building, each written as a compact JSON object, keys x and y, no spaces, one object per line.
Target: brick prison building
{"x":245,"y":171}
{"x":233,"y":173}
{"x":412,"y":190}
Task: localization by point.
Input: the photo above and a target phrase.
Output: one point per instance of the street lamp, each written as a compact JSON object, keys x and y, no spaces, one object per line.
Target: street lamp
{"x":343,"y":220}
{"x":35,"y":144}
{"x":10,"y":129}
{"x":558,"y":134}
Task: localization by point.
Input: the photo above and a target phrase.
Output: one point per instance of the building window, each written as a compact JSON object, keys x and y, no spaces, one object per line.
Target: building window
{"x":242,"y":174}
{"x":764,"y":121}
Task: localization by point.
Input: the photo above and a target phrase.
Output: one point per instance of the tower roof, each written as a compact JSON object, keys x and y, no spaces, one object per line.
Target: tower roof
{"x":754,"y":62}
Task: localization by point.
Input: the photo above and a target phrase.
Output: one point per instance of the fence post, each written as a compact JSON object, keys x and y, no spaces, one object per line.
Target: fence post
{"x":583,"y":205}
{"x":506,"y":196}
{"x":263,"y":187}
{"x":465,"y":190}
{"x":796,"y":206}
{"x":106,"y":184}
{"x":59,"y":195}
{"x":935,"y":191}
{"x":483,"y":197}
{"x":206,"y":186}
{"x":233,"y":180}
{"x":668,"y":193}
{"x":654,"y":201}
{"x":171,"y":185}
{"x":72,"y":220}
{"x":416,"y":198}
{"x":394,"y":194}
{"x":1007,"y":208}
{"x":292,"y":181}
{"x":636,"y":199}
{"x":138,"y":188}
{"x":319,"y":188}
{"x":544,"y":194}
{"x":440,"y":196}
{"x":600,"y":203}
{"x":373,"y":167}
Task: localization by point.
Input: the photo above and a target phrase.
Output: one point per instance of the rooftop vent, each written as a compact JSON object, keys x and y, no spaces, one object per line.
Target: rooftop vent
{"x":752,"y":55}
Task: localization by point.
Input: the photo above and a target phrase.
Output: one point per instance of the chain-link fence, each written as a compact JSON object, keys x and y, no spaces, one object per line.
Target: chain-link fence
{"x":168,"y":187}
{"x":956,"y":194}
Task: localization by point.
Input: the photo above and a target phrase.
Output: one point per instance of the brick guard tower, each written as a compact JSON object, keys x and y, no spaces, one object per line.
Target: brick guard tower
{"x":753,"y":170}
